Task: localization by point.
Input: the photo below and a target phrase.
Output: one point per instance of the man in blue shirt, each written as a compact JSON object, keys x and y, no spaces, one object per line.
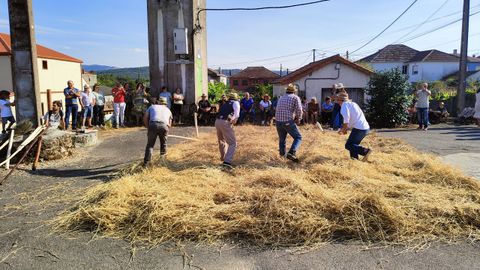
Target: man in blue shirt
{"x":247,"y":108}
{"x":71,"y":104}
{"x":327,"y":110}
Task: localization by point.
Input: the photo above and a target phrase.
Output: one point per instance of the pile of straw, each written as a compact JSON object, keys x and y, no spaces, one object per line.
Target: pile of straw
{"x":400,"y":196}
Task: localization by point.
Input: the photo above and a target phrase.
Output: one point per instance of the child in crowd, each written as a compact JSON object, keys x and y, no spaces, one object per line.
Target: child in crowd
{"x":6,"y":110}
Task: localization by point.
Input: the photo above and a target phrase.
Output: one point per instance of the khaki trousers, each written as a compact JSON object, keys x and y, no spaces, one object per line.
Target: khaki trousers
{"x":227,"y":143}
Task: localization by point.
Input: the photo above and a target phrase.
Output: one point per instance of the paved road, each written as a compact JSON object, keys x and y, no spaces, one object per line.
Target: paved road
{"x":27,"y":241}
{"x":457,"y":145}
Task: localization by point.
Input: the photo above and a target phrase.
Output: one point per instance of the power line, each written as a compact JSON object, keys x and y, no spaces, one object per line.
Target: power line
{"x":390,"y":25}
{"x":423,"y":23}
{"x":265,"y":59}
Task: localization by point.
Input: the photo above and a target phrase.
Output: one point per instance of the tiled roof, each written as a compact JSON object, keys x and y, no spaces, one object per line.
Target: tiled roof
{"x":434,"y":56}
{"x":305,"y":70}
{"x":256,"y":73}
{"x":391,"y":53}
{"x":42,"y":52}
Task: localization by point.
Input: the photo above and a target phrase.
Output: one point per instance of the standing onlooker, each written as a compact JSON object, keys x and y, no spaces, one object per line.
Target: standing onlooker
{"x":204,"y":108}
{"x":71,"y":104}
{"x":140,"y":102}
{"x":98,"y":114}
{"x":327,"y":109}
{"x":177,"y":105}
{"x":266,"y":110}
{"x":226,"y":118}
{"x":6,"y":110}
{"x":287,"y":116}
{"x":477,"y":107}
{"x":166,"y":94}
{"x":87,"y":101}
{"x":54,"y":117}
{"x":304,"y":110}
{"x":423,"y":94}
{"x":247,"y":108}
{"x":313,"y":110}
{"x":119,"y":105}
{"x":354,"y":118}
{"x":337,"y":118}
{"x":129,"y":96}
{"x":158,"y":120}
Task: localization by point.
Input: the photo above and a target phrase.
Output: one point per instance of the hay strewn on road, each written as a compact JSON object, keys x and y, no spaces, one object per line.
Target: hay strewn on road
{"x":401,"y":196}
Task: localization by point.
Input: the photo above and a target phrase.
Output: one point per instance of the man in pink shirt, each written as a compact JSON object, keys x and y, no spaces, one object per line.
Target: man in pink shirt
{"x":119,"y":104}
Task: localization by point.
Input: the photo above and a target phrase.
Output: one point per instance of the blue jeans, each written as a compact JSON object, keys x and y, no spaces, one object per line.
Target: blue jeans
{"x":353,"y":143}
{"x":73,"y":110}
{"x":243,"y":114}
{"x":422,"y":114}
{"x":284,"y":128}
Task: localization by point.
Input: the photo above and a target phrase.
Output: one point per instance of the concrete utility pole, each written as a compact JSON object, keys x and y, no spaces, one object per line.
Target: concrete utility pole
{"x":177,"y":50}
{"x":462,"y":82}
{"x":314,"y":52}
{"x":24,"y":61}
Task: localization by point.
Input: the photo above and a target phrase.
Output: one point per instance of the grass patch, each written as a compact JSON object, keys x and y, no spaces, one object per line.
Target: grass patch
{"x":400,"y":196}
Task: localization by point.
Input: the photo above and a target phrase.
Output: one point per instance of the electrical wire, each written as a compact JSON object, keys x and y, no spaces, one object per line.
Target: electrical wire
{"x":390,"y":25}
{"x":423,"y":23}
{"x":265,"y":59}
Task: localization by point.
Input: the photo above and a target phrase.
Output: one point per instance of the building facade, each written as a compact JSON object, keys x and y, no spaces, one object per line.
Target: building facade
{"x":249,"y":78}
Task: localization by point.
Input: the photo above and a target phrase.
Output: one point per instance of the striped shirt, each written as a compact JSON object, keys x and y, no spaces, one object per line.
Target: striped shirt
{"x":289,"y":107}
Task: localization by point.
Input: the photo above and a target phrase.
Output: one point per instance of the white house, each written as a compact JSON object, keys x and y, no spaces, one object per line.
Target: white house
{"x":430,"y":65}
{"x":316,"y":79}
{"x":215,"y":76}
{"x":54,"y":70}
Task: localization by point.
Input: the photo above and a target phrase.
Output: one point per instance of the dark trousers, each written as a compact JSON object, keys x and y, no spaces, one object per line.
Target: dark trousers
{"x":326,"y":117}
{"x":244,"y":114}
{"x":284,"y":128}
{"x":422,"y":114}
{"x":177,"y":112}
{"x":71,"y":109}
{"x":160,"y":130}
{"x":353,"y":143}
{"x":98,"y":115}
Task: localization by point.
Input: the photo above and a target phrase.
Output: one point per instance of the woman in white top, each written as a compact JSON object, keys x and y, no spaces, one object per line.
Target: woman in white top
{"x":177,"y":105}
{"x":477,"y":107}
{"x":266,"y":110}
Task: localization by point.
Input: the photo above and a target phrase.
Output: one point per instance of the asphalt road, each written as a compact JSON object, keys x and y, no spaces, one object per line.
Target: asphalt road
{"x":29,"y":201}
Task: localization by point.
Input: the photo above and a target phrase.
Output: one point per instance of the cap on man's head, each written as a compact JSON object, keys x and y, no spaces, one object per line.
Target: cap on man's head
{"x":339,"y":86}
{"x":233,"y":96}
{"x":204,"y":95}
{"x":162,"y":101}
{"x":291,"y":88}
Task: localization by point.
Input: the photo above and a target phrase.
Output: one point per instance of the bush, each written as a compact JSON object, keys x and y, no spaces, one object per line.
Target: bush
{"x":389,"y":92}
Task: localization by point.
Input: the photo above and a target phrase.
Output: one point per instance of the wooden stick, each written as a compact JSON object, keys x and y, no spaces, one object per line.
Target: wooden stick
{"x":23,"y":157}
{"x":9,"y":149}
{"x":37,"y":154}
{"x":30,"y":138}
{"x":195,"y":119}
{"x":181,"y":137}
{"x":319,"y":126}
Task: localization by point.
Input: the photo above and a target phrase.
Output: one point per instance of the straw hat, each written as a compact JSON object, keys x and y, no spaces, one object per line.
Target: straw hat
{"x":291,"y":88}
{"x":343,"y":96}
{"x":233,"y":96}
{"x":162,"y":101}
{"x":339,"y":86}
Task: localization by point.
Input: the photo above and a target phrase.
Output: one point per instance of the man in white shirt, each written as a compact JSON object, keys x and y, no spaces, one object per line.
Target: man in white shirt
{"x":158,"y":120}
{"x":353,"y":118}
{"x":87,"y":101}
{"x":422,"y":106}
{"x":226,"y":118}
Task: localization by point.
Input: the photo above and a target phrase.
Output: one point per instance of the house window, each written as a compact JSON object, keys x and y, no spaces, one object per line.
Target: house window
{"x":244,"y":82}
{"x":44,"y":64}
{"x":235,"y":82}
{"x":415,"y":70}
{"x":405,"y":69}
{"x":255,"y":81}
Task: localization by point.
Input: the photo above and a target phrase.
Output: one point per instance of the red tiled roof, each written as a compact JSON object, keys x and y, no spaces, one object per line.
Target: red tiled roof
{"x":434,"y":56}
{"x":256,"y":73}
{"x":305,"y":70}
{"x":391,"y":53}
{"x":42,"y":52}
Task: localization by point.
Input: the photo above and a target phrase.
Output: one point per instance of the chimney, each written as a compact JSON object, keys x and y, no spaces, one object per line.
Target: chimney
{"x":455,"y":51}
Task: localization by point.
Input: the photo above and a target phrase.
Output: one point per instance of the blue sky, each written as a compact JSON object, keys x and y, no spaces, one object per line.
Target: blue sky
{"x":114,"y":32}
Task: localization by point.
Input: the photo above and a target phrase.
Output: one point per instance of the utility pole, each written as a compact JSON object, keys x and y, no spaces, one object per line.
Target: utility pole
{"x":24,"y":61}
{"x":281,"y":70}
{"x":462,"y":82}
{"x":348,"y":55}
{"x":314,"y":51}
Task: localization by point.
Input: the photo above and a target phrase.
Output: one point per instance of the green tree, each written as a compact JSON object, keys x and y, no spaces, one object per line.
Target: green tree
{"x":265,"y":89}
{"x":389,"y":92}
{"x":216,"y":90}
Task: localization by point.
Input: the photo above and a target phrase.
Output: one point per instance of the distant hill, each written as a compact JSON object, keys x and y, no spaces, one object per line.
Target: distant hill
{"x":96,"y":68}
{"x":133,"y":73}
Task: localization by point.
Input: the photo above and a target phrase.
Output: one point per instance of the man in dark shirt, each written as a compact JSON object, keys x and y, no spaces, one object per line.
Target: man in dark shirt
{"x":204,"y":108}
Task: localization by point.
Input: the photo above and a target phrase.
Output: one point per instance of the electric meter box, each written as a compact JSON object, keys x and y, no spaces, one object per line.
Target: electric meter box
{"x":180,"y":40}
